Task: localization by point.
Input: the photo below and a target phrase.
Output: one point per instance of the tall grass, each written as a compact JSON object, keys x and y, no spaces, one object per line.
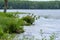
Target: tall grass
{"x":10,"y":23}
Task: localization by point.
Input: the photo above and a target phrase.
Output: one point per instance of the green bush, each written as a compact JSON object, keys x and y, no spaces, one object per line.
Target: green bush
{"x":11,"y":23}
{"x":21,"y":22}
{"x":1,"y":31}
{"x":7,"y":36}
{"x":29,"y":19}
{"x":13,"y":15}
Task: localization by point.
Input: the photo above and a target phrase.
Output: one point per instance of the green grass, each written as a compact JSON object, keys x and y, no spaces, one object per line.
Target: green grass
{"x":10,"y":23}
{"x":29,"y":19}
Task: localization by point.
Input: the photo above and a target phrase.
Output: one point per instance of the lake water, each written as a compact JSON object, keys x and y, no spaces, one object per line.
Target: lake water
{"x":48,"y":25}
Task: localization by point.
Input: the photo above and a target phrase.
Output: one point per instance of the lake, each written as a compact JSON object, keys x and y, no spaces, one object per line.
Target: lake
{"x":48,"y":25}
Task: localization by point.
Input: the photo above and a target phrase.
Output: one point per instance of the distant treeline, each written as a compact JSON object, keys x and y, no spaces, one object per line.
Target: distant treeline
{"x":31,"y":5}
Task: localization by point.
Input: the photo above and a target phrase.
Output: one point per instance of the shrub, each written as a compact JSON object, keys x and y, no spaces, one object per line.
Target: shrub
{"x":11,"y":15}
{"x":1,"y":31}
{"x":7,"y":36}
{"x":21,"y":22}
{"x":29,"y":19}
{"x":11,"y":24}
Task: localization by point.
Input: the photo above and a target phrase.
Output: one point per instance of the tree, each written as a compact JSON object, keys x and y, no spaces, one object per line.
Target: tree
{"x":5,"y":5}
{"x":6,"y":2}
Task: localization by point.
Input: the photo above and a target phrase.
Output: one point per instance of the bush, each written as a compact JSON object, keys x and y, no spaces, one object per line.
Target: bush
{"x":21,"y":22}
{"x":29,"y":19}
{"x":14,"y":15}
{"x":10,"y":23}
{"x":1,"y":31}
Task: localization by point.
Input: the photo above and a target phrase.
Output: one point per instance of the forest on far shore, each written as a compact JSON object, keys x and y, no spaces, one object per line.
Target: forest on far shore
{"x":31,"y":5}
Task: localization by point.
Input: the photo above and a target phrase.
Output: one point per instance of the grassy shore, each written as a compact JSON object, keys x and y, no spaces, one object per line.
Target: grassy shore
{"x":11,"y":24}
